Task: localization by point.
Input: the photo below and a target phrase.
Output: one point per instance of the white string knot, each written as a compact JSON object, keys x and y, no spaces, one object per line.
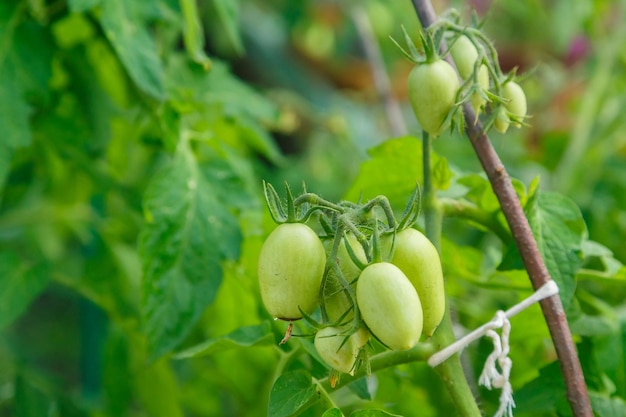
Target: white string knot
{"x":491,"y":377}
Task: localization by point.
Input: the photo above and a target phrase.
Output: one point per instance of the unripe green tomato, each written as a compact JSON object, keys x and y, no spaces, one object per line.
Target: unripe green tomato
{"x":418,"y":258}
{"x":328,"y":343}
{"x":502,"y":120}
{"x":517,"y":100}
{"x":290,"y":269}
{"x":464,"y":54}
{"x":389,"y":305}
{"x":432,"y":91}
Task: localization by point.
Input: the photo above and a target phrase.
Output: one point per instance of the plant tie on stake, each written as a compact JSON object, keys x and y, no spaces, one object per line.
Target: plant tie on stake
{"x":499,"y":358}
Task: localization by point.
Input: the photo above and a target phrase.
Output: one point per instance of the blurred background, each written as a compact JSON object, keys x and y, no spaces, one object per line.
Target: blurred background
{"x":95,"y":95}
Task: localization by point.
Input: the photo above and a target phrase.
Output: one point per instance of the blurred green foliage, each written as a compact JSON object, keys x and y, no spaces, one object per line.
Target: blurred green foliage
{"x":135,"y":136}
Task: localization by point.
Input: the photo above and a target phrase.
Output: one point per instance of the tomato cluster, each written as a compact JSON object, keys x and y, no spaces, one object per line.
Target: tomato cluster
{"x":436,"y":91}
{"x":357,"y":277}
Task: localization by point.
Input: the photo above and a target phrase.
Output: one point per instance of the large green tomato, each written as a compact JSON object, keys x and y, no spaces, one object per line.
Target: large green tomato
{"x":418,"y":258}
{"x":432,"y":91}
{"x":290,"y":269}
{"x":389,"y":305}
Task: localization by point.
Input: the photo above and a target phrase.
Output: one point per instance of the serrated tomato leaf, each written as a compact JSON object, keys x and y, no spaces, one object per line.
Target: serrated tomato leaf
{"x":188,"y":231}
{"x":290,"y":393}
{"x":559,"y":229}
{"x":248,"y":336}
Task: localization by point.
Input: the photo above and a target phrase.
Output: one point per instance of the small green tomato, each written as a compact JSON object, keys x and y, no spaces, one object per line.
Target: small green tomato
{"x":432,"y":92}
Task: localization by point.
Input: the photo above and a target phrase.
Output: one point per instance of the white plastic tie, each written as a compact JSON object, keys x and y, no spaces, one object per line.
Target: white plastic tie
{"x":497,"y":370}
{"x":547,"y":290}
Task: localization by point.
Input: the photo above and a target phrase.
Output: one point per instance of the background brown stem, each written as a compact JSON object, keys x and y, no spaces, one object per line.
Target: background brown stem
{"x":552,"y":307}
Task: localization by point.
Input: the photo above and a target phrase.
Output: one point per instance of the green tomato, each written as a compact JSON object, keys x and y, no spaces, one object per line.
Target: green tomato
{"x":502,"y":120}
{"x":432,"y":91}
{"x":418,"y":258}
{"x":389,"y":305}
{"x":340,"y":355}
{"x":464,"y":54}
{"x":517,"y":100}
{"x":290,"y":269}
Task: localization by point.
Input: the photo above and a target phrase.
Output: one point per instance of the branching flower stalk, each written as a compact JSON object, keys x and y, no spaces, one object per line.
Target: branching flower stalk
{"x":552,"y":307}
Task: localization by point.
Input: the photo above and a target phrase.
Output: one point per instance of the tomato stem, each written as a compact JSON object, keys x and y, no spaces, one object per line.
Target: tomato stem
{"x":451,"y":371}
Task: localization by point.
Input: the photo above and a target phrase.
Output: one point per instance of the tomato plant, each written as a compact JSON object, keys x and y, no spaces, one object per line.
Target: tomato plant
{"x":135,"y":139}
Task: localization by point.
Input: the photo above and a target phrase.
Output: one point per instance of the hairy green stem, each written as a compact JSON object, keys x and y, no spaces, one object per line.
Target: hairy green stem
{"x":451,"y":371}
{"x":385,"y":360}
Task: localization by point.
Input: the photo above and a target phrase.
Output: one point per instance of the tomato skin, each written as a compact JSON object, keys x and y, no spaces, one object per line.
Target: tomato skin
{"x":464,"y":54}
{"x":432,"y":92}
{"x":418,"y":258}
{"x":516,"y":105}
{"x":389,"y":305}
{"x":328,"y":343}
{"x":290,"y":269}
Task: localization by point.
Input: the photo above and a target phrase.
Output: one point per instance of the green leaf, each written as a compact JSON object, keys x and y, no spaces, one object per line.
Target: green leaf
{"x":372,"y":413}
{"x":588,"y":325}
{"x":259,"y":335}
{"x":130,"y":38}
{"x":290,"y":393}
{"x":542,"y":394}
{"x":480,"y":192}
{"x":157,"y":390}
{"x":559,"y":228}
{"x":332,"y":412}
{"x":193,"y":33}
{"x":29,"y":400}
{"x":6,"y":154}
{"x":360,"y":388}
{"x":20,"y":283}
{"x":393,"y":170}
{"x":187,"y":233}
{"x":228,"y":13}
{"x":14,"y":111}
{"x":604,"y":406}
{"x":78,"y":6}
